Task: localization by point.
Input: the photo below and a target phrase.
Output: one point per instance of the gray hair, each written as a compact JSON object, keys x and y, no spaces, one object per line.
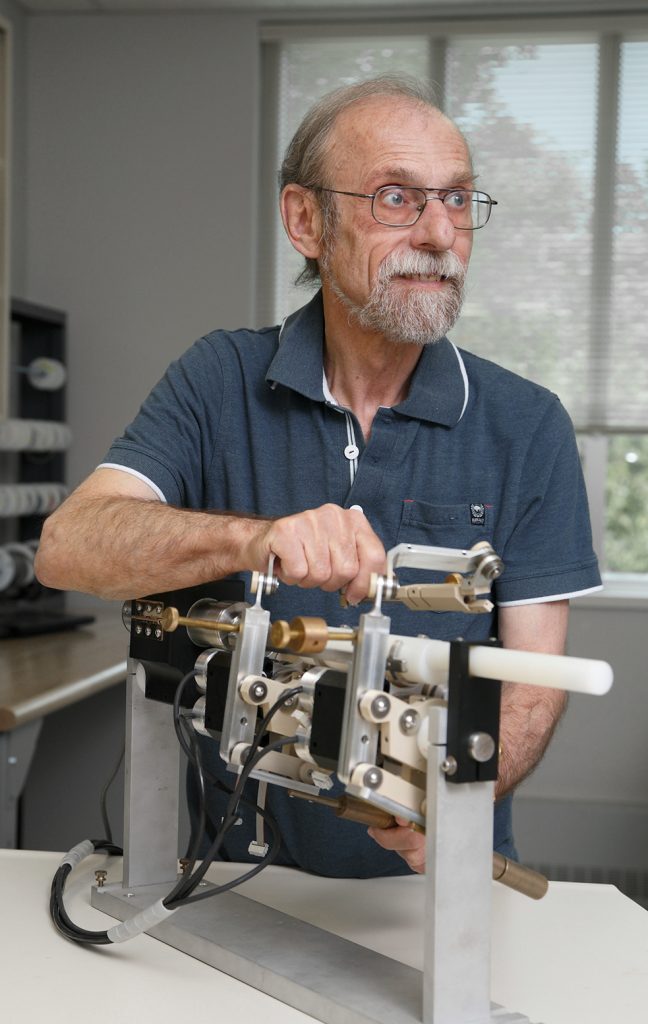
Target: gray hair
{"x":305,"y":160}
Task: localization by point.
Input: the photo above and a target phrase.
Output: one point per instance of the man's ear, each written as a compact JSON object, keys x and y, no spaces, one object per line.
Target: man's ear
{"x":302,"y":220}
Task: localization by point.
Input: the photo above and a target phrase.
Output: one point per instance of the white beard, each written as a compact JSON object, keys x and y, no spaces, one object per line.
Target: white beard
{"x":413,"y":315}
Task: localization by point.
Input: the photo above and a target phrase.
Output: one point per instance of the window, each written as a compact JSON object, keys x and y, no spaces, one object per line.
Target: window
{"x":557,"y":289}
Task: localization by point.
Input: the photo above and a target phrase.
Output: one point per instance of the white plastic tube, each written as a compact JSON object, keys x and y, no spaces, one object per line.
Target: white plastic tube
{"x":427,"y":662}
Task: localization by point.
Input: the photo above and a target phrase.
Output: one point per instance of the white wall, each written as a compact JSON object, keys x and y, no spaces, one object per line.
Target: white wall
{"x":141,"y":182}
{"x":17,"y":21}
{"x":587,"y":803}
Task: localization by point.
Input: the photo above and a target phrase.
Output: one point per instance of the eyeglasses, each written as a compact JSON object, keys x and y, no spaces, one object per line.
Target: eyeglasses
{"x":399,"y":206}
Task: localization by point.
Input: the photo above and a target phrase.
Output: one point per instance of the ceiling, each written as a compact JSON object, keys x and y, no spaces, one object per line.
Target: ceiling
{"x":445,"y":7}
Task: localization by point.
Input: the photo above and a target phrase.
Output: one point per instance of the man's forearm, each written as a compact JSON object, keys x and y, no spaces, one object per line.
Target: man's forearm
{"x":122,"y":547}
{"x":529,"y":713}
{"x":528,"y":719}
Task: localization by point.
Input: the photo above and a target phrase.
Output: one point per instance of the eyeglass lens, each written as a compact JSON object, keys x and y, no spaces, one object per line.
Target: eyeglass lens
{"x":400,"y":207}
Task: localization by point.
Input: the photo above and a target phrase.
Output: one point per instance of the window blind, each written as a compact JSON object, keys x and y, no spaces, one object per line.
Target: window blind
{"x":557,"y":288}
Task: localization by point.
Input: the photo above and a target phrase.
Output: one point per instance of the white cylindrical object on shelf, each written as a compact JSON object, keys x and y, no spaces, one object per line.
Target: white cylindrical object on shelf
{"x":30,"y":499}
{"x":427,"y":662}
{"x":22,"y":557}
{"x":7,"y":570}
{"x":34,"y":436}
{"x":46,"y":374}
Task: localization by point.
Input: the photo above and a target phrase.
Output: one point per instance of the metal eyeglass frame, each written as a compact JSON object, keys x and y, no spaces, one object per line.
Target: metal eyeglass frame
{"x":444,"y":193}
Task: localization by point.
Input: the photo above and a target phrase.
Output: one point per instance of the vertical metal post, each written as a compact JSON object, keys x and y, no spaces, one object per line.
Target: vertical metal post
{"x":151,"y":798}
{"x":459,"y":828}
{"x":16,"y":752}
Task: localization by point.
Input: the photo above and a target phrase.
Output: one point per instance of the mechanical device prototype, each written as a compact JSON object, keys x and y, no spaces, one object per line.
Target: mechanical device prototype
{"x":410,"y":725}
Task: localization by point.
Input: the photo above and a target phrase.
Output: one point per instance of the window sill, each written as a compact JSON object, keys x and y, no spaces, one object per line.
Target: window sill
{"x":620,"y":591}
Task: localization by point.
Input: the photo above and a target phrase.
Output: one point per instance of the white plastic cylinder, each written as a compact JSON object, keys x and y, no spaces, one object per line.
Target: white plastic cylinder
{"x":427,"y":662}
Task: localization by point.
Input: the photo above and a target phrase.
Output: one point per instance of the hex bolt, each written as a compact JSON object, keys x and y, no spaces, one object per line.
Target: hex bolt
{"x":372,"y":778}
{"x":100,"y":877}
{"x":158,"y":634}
{"x":409,"y":720}
{"x":138,"y":630}
{"x":449,"y":765}
{"x":148,"y":631}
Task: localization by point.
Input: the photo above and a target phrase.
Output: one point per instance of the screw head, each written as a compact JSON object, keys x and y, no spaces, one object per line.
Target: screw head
{"x":259,"y":691}
{"x":449,"y":765}
{"x":481,"y":746}
{"x":409,"y":720}
{"x":372,"y":778}
{"x":380,"y":706}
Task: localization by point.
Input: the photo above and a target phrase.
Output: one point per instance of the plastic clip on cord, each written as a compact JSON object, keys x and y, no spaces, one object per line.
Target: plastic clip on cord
{"x":57,"y":910}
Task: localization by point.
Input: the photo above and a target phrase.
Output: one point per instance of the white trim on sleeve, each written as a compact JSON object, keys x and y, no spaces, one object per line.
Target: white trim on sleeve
{"x":551,"y":597}
{"x":135,"y":472}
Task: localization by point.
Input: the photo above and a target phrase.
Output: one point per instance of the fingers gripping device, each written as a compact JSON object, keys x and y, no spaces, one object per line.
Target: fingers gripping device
{"x":409,"y":724}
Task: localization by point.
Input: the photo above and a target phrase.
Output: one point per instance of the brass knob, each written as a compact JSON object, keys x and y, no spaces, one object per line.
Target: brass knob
{"x":304,"y":635}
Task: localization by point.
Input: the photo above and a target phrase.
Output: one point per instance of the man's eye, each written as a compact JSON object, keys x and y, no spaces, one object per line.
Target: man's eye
{"x":394,"y":198}
{"x":457,"y":200}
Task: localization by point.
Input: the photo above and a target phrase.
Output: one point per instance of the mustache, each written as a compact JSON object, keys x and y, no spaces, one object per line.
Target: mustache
{"x":440,"y":264}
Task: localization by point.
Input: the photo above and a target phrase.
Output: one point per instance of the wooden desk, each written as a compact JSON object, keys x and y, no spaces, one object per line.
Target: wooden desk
{"x":41,"y":674}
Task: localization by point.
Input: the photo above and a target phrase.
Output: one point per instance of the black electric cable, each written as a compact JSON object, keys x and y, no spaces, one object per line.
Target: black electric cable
{"x":189,"y":882}
{"x":228,"y":820}
{"x":183,"y":891}
{"x":180,"y":895}
{"x":104,"y":794}
{"x":57,"y":909}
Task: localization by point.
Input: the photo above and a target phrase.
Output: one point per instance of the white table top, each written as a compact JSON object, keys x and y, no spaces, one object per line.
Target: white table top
{"x":580,"y":956}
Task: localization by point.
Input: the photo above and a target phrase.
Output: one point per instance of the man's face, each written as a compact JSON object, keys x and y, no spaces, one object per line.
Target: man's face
{"x":406,"y":283}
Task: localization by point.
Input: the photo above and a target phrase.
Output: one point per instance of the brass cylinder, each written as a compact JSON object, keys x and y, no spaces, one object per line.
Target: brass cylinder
{"x":517,"y":876}
{"x":304,"y":635}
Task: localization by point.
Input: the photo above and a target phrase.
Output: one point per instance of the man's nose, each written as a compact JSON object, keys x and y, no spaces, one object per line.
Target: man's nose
{"x":434,"y":229}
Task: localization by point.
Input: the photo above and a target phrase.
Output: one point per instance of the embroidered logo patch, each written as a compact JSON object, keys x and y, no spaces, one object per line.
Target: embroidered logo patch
{"x":477,"y":513}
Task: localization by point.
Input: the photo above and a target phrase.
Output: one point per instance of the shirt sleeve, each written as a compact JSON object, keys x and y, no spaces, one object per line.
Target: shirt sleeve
{"x":549,"y":554}
{"x":167,"y":444}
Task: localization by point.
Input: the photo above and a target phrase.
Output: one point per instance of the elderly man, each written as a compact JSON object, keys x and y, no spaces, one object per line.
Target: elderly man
{"x":354,"y":426}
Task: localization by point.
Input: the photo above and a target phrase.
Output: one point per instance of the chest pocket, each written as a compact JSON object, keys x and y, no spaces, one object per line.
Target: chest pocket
{"x":448,"y":526}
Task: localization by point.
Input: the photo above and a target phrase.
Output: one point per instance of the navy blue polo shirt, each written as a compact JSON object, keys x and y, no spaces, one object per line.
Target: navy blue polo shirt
{"x":243,"y":422}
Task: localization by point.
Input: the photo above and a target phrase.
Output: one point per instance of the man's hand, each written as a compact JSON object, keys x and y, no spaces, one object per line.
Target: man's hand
{"x":327,"y":547}
{"x":408,"y":844}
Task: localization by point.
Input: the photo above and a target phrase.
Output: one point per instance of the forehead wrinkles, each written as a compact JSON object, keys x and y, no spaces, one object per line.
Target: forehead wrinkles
{"x":383,"y":133}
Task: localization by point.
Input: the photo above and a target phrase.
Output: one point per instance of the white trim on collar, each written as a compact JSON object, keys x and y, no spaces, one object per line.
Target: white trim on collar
{"x":464,"y":375}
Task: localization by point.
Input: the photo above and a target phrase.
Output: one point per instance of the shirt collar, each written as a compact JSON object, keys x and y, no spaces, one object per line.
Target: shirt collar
{"x":438,"y":390}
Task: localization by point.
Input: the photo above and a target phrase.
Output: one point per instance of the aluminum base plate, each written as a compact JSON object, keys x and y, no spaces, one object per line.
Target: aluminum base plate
{"x":332,"y":979}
